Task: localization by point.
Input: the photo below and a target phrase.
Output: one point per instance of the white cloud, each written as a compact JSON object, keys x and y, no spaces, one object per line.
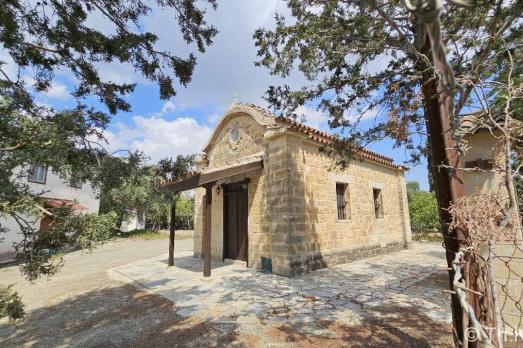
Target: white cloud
{"x":168,"y":107}
{"x":157,"y":137}
{"x":118,"y":73}
{"x":312,"y":117}
{"x":226,"y":68}
{"x":7,"y":64}
{"x":58,"y":91}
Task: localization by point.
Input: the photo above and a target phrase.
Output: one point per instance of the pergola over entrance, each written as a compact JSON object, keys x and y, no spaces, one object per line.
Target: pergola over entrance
{"x":206,"y":180}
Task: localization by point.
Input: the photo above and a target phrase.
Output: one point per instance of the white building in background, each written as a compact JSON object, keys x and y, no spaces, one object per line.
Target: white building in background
{"x":56,"y":190}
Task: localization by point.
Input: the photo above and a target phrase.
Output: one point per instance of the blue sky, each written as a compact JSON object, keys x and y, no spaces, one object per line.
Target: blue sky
{"x":184,"y":123}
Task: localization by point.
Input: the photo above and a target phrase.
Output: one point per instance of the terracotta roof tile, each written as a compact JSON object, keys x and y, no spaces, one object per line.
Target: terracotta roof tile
{"x":313,"y":134}
{"x":58,"y":203}
{"x":323,"y":137}
{"x":327,"y":139}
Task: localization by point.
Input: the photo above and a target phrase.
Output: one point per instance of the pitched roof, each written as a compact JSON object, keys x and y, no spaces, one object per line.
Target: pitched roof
{"x":479,"y":120}
{"x":59,"y":203}
{"x":324,"y":138}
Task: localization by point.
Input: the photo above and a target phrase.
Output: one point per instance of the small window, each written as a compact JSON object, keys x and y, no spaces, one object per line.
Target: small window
{"x":37,"y":174}
{"x":235,"y":135}
{"x":342,"y":200}
{"x":378,"y":203}
{"x":76,"y":183}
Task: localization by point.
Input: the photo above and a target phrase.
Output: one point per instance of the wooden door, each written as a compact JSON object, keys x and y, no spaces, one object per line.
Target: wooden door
{"x":235,"y":214}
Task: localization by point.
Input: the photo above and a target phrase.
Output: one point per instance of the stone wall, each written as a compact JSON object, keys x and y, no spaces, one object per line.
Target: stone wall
{"x":225,"y":151}
{"x":316,"y":238}
{"x":279,"y":218}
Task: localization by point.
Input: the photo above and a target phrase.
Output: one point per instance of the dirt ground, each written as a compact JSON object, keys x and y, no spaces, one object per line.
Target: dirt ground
{"x":82,"y":307}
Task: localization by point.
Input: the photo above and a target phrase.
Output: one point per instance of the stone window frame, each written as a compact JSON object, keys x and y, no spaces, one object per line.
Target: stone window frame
{"x":346,"y":200}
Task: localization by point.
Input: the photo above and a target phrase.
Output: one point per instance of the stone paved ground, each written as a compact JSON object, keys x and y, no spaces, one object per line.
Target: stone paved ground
{"x":391,"y":287}
{"x":387,"y":301}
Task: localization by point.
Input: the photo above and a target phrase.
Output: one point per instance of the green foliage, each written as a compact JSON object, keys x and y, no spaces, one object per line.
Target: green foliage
{"x":158,"y":213}
{"x":84,"y":231}
{"x":412,"y":187}
{"x":129,"y":187}
{"x":44,"y":38}
{"x":359,"y":65}
{"x":11,"y":305}
{"x":185,"y":206}
{"x":175,"y":169}
{"x":423,"y":210}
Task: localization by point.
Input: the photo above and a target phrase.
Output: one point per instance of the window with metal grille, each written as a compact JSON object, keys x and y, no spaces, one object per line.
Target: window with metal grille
{"x":378,"y":203}
{"x":341,"y":200}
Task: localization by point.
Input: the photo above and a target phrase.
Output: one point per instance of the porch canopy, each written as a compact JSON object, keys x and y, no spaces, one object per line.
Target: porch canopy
{"x":207,"y":180}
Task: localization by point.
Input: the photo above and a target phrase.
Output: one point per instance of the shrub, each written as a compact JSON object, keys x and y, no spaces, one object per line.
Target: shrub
{"x":423,"y":210}
{"x":11,"y":305}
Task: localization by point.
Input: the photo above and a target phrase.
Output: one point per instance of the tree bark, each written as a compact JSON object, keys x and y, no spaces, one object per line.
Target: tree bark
{"x":447,"y":181}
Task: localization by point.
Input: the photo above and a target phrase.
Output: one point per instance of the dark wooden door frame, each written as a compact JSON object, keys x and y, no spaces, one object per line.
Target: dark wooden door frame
{"x":228,"y":189}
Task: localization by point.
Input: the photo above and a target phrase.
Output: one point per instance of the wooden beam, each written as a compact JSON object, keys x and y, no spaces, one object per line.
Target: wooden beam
{"x":172,"y":233}
{"x":184,"y":185}
{"x":227,"y":172}
{"x":206,"y":178}
{"x":207,"y":231}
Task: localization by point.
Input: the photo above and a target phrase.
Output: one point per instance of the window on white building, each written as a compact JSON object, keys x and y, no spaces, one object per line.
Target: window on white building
{"x":37,"y":174}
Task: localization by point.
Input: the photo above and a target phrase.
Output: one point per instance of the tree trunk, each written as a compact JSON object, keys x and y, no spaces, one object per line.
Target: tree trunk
{"x":447,"y":181}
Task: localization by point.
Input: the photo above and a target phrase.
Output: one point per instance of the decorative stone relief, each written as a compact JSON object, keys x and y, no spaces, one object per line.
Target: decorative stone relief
{"x":239,"y":138}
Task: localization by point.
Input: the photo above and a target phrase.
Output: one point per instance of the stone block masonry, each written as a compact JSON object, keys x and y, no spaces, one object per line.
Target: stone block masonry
{"x":292,"y":201}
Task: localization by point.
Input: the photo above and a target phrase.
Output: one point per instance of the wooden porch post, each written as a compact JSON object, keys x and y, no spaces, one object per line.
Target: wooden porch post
{"x":172,"y":233}
{"x":207,"y":232}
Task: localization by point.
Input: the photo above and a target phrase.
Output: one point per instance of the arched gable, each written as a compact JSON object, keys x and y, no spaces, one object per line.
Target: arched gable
{"x":238,"y":134}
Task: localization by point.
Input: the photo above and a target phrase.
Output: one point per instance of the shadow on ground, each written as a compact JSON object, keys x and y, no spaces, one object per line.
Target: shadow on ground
{"x":394,"y":300}
{"x":112,"y":317}
{"x":384,"y":327}
{"x":125,"y":317}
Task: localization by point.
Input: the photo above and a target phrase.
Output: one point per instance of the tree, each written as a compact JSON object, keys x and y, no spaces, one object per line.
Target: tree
{"x":374,"y":57}
{"x":412,"y":187}
{"x":423,"y":210}
{"x":45,"y":38}
{"x":126,"y":184}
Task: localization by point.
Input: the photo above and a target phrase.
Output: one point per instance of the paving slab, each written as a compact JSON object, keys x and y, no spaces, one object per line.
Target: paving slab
{"x":249,"y":299}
